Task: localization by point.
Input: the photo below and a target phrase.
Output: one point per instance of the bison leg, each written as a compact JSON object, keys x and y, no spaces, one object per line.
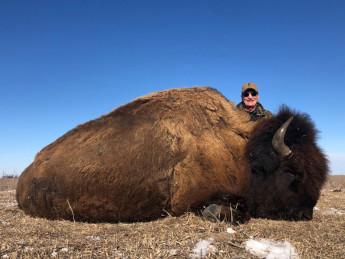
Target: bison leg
{"x":227,"y":207}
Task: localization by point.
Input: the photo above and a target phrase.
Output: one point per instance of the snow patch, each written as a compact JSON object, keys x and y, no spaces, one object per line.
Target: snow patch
{"x":28,"y":249}
{"x":333,"y":211}
{"x":22,"y":243}
{"x":230,"y":231}
{"x":174,"y":252}
{"x":203,"y":248}
{"x":270,"y":249}
{"x":93,"y":238}
{"x":64,"y":250}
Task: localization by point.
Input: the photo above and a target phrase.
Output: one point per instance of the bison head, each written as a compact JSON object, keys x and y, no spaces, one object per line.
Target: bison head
{"x":288,"y":168}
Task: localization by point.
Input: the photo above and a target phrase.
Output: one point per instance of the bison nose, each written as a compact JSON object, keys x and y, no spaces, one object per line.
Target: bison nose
{"x":306,"y":214}
{"x":212,"y":212}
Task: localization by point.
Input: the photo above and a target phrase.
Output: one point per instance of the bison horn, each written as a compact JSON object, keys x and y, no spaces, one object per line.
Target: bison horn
{"x":278,"y":140}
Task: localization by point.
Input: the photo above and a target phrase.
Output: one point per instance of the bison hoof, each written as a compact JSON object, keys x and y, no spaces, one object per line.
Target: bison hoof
{"x":212,"y":212}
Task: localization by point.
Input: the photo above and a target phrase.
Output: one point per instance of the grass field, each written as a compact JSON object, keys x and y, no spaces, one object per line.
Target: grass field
{"x":172,"y":237}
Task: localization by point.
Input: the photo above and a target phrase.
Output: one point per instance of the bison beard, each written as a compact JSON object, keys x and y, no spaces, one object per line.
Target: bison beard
{"x":174,"y":151}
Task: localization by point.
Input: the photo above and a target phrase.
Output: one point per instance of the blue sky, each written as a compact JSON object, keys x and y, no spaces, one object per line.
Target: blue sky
{"x":63,"y":63}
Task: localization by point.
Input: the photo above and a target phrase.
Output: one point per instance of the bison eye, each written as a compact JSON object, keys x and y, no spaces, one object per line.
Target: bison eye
{"x":296,"y":174}
{"x":292,"y":180}
{"x":284,"y":179}
{"x":289,"y":177}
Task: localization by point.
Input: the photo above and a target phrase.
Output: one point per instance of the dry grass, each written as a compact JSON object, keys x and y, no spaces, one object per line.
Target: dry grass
{"x":335,"y":182}
{"x":26,"y":237}
{"x":7,"y":184}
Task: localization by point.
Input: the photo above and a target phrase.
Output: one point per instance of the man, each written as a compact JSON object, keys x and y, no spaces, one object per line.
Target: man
{"x":250,"y":97}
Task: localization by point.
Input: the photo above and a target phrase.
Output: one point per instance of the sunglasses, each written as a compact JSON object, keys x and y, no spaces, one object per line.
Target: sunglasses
{"x":250,"y":93}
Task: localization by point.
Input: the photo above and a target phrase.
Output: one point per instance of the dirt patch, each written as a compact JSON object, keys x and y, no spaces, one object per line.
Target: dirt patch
{"x":173,"y":237}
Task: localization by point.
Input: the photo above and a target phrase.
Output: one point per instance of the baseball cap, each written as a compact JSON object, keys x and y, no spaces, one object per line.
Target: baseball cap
{"x":247,"y":86}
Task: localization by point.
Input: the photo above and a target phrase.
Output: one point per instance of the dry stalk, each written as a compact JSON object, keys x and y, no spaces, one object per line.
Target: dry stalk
{"x":70,"y":207}
{"x":231,"y":215}
{"x":167,"y":213}
{"x":230,"y":243}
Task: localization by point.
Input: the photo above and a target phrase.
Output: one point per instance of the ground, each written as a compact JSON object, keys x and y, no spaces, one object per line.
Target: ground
{"x":172,"y":237}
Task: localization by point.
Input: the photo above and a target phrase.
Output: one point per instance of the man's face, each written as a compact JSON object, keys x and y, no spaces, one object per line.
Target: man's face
{"x":250,"y":98}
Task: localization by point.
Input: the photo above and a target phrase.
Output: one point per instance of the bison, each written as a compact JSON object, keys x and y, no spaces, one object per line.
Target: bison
{"x":174,"y":151}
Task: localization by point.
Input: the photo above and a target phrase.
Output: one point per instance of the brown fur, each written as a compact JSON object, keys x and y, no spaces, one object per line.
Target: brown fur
{"x":165,"y":152}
